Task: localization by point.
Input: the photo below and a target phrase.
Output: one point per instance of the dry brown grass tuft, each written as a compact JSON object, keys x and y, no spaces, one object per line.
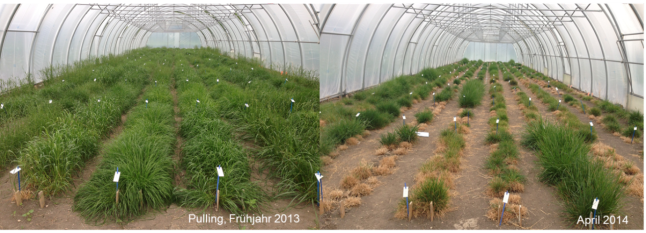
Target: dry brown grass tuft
{"x":400,"y":151}
{"x":352,"y":141}
{"x":405,"y":145}
{"x":514,"y":198}
{"x":352,"y":201}
{"x":373,"y":182}
{"x":327,"y":205}
{"x":361,"y":190}
{"x":513,"y":167}
{"x":365,"y":133}
{"x":349,"y":182}
{"x":336,"y":194}
{"x":334,"y":154}
{"x":381,"y":171}
{"x":422,"y":127}
{"x":327,"y":160}
{"x":359,"y":137}
{"x":343,"y":147}
{"x":463,"y":129}
{"x":381,"y":151}
{"x":388,"y":162}
{"x":631,"y":170}
{"x":493,"y":148}
{"x":415,"y":101}
{"x":493,"y":113}
{"x":627,"y":139}
{"x":616,"y":134}
{"x":25,"y":194}
{"x":322,"y":123}
{"x":516,"y":187}
{"x":602,"y":150}
{"x":362,"y":172}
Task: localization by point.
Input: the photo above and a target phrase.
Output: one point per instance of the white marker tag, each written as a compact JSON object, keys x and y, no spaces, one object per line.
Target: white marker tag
{"x":497,"y":121}
{"x":251,"y":68}
{"x":218,"y":80}
{"x":2,"y":107}
{"x":635,"y":127}
{"x":411,"y":93}
{"x":246,"y":105}
{"x":146,"y":101}
{"x":358,"y":114}
{"x":318,"y":176}
{"x":423,"y":134}
{"x":505,"y":199}
{"x":405,"y":191}
{"x":63,"y":80}
{"x":559,"y":101}
{"x":99,"y":100}
{"x":454,"y":118}
{"x":426,"y":82}
{"x":530,"y":98}
{"x":557,"y":88}
{"x":433,"y":93}
{"x":286,"y":80}
{"x":292,"y":100}
{"x":187,"y":80}
{"x":220,"y":172}
{"x":249,"y":81}
{"x":591,"y":123}
{"x":95,"y":80}
{"x":373,"y":93}
{"x":116,"y":176}
{"x":404,"y":117}
{"x":50,"y":101}
{"x":198,"y":101}
{"x":595,"y":204}
{"x":15,"y":170}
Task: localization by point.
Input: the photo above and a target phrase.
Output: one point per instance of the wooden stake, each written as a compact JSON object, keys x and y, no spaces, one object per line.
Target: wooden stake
{"x":117,"y":197}
{"x":141,"y":196}
{"x":18,"y":197}
{"x":612,"y":225}
{"x":342,"y":209}
{"x":498,"y":213}
{"x":321,"y":206}
{"x":41,"y":199}
{"x":410,"y":211}
{"x":592,"y":220}
{"x":432,"y":212}
{"x":217,"y":200}
{"x":520,"y":221}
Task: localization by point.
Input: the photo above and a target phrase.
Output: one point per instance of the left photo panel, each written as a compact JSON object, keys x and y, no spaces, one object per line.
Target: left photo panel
{"x":159,"y":116}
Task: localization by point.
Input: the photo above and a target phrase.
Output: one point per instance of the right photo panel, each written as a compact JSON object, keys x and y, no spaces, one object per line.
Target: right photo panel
{"x":458,"y":116}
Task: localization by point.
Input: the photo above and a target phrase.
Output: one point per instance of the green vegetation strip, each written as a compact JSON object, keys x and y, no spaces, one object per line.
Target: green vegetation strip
{"x":142,"y":153}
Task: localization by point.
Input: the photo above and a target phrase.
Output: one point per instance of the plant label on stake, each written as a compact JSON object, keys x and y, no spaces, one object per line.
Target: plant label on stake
{"x":291,"y":105}
{"x":433,"y":98}
{"x":558,"y":105}
{"x":95,"y":80}
{"x":146,"y":103}
{"x":197,"y":102}
{"x":406,"y":196}
{"x":631,"y":140}
{"x":497,"y":121}
{"x":456,"y":123}
{"x":404,"y":116}
{"x":319,"y":192}
{"x":246,"y":105}
{"x":14,"y":171}
{"x":218,"y":80}
{"x":1,"y":106}
{"x":530,"y":101}
{"x":217,"y":192}
{"x":357,"y":114}
{"x":591,"y":127}
{"x":595,"y":205}
{"x":50,"y":101}
{"x":504,"y":203}
{"x":117,"y":174}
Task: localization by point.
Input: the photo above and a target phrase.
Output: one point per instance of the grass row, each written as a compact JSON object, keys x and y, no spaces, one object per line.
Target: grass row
{"x":142,"y":153}
{"x":288,"y":140}
{"x":210,"y":142}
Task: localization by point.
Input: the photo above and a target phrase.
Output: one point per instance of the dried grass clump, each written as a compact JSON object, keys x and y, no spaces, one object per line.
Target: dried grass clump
{"x":24,"y":195}
{"x":602,"y":150}
{"x":388,"y":162}
{"x":400,"y":151}
{"x":415,"y":101}
{"x":361,"y":190}
{"x":381,"y":171}
{"x":362,"y":172}
{"x":422,"y":127}
{"x":359,"y":137}
{"x":463,"y":129}
{"x":628,"y":140}
{"x":349,"y":182}
{"x":343,"y":147}
{"x":352,"y":201}
{"x":373,"y":182}
{"x":336,"y":194}
{"x":631,"y":169}
{"x":405,"y":145}
{"x":616,"y":134}
{"x":493,"y":113}
{"x":327,"y":205}
{"x":366,"y":133}
{"x":381,"y":151}
{"x":352,"y":141}
{"x":327,"y":160}
{"x":493,"y":147}
{"x":322,"y":123}
{"x":334,"y":154}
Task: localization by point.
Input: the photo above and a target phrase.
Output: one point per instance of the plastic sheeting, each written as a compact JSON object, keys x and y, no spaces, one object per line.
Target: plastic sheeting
{"x":35,"y":37}
{"x":598,"y":46}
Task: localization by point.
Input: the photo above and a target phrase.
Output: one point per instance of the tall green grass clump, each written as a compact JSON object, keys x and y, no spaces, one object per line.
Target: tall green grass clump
{"x":472,"y":93}
{"x":374,"y":119}
{"x":425,"y":116}
{"x":407,"y":133}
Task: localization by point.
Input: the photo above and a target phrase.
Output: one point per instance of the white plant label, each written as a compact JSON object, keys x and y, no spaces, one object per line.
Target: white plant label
{"x":249,"y":81}
{"x":63,"y":80}
{"x":50,"y":101}
{"x":591,"y":123}
{"x":423,"y":134}
{"x":373,"y":93}
{"x":595,"y":203}
{"x":411,"y":93}
{"x":404,"y":117}
{"x":246,"y":105}
{"x":497,"y":121}
{"x":236,"y":63}
{"x":218,"y":80}
{"x":220,"y":172}
{"x":95,"y":80}
{"x":318,"y":176}
{"x":505,"y":199}
{"x":530,"y":98}
{"x":292,"y":100}
{"x":454,"y":118}
{"x":423,"y":76}
{"x":405,"y":191}
{"x":198,"y":101}
{"x":559,"y":101}
{"x":252,"y":68}
{"x":99,"y":100}
{"x":187,"y":80}
{"x":2,"y":107}
{"x":286,"y":80}
{"x":635,"y":127}
{"x":557,"y":88}
{"x":116,"y":176}
{"x":426,"y":82}
{"x":358,"y":114}
{"x":15,"y":170}
{"x":433,"y":93}
{"x":146,"y":101}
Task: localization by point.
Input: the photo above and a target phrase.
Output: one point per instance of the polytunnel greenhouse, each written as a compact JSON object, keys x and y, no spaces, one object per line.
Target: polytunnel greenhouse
{"x":486,"y":115}
{"x":159,"y":116}
{"x":596,"y":48}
